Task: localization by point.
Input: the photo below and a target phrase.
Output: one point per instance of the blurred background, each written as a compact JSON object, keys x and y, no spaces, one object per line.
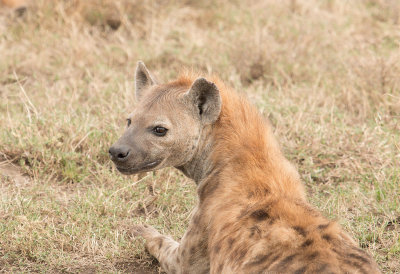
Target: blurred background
{"x":325,"y":72}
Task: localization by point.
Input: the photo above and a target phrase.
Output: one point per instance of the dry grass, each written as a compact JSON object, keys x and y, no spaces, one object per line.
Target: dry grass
{"x":325,"y":72}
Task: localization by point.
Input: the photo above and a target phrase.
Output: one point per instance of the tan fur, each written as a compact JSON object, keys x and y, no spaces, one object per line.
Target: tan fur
{"x":252,"y":215}
{"x":14,"y":3}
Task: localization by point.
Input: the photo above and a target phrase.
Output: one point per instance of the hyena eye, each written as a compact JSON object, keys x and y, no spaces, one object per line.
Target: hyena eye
{"x":129,"y":121}
{"x":160,"y":131}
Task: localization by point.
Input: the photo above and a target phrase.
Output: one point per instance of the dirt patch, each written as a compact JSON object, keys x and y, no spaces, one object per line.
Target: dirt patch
{"x":134,"y":267}
{"x":12,"y":174}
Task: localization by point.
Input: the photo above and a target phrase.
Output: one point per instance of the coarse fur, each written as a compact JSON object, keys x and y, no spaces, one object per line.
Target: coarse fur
{"x":252,"y":215}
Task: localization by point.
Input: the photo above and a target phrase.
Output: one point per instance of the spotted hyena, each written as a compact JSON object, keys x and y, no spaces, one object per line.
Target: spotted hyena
{"x":252,"y":215}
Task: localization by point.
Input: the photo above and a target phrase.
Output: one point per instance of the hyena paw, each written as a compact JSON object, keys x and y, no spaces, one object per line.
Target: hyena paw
{"x":144,"y":231}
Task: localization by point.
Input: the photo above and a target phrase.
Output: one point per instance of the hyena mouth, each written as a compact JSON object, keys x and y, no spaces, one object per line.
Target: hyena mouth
{"x":133,"y":170}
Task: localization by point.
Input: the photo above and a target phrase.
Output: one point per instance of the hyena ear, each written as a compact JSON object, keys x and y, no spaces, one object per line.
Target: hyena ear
{"x":143,"y":79}
{"x":205,"y":96}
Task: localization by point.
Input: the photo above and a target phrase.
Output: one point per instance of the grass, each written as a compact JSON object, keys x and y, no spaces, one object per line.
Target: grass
{"x":324,"y":72}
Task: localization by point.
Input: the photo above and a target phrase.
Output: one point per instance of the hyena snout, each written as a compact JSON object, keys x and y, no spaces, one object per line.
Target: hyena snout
{"x":119,"y":153}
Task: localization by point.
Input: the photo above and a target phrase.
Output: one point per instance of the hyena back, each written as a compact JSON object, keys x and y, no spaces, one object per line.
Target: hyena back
{"x":252,"y":215}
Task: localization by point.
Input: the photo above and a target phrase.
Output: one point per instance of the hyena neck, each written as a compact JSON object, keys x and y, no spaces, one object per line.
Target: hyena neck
{"x":200,"y":166}
{"x":241,"y":152}
{"x":246,"y":157}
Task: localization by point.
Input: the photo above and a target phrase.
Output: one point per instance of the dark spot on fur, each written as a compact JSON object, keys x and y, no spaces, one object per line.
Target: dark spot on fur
{"x":271,"y":221}
{"x":260,"y":215}
{"x":327,"y":237}
{"x":255,"y":230}
{"x":208,"y":189}
{"x":178,"y":260}
{"x":349,"y":262}
{"x":301,"y":270}
{"x":217,"y":248}
{"x":276,"y":257}
{"x":339,"y":253}
{"x":259,"y":259}
{"x":308,"y":242}
{"x":358,"y":257}
{"x":226,"y":226}
{"x":321,"y":268}
{"x":323,"y":226}
{"x":234,"y":254}
{"x":354,"y":264}
{"x":220,"y":267}
{"x":239,"y":253}
{"x":192,"y":260}
{"x":313,"y":255}
{"x":231,"y":241}
{"x":192,"y":250}
{"x":285,"y":261}
{"x":300,"y":230}
{"x":196,"y":219}
{"x":358,"y":250}
{"x":242,"y":253}
{"x":203,"y":251}
{"x":160,"y":242}
{"x":210,"y":185}
{"x":250,"y":194}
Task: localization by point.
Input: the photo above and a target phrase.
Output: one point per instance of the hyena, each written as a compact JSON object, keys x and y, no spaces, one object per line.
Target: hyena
{"x":252,"y":215}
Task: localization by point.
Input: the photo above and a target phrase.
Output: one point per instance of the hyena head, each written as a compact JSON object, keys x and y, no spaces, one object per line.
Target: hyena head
{"x":165,"y":127}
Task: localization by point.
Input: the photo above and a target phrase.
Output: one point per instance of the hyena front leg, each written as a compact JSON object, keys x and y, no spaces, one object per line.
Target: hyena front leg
{"x":163,"y":248}
{"x":190,"y":256}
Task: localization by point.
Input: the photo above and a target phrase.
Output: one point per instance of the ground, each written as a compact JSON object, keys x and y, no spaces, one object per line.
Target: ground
{"x":326,"y":73}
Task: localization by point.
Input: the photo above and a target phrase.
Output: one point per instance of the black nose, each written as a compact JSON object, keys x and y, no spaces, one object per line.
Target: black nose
{"x":119,"y":153}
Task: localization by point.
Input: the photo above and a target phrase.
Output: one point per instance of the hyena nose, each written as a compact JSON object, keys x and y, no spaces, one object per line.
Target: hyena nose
{"x":119,"y":153}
